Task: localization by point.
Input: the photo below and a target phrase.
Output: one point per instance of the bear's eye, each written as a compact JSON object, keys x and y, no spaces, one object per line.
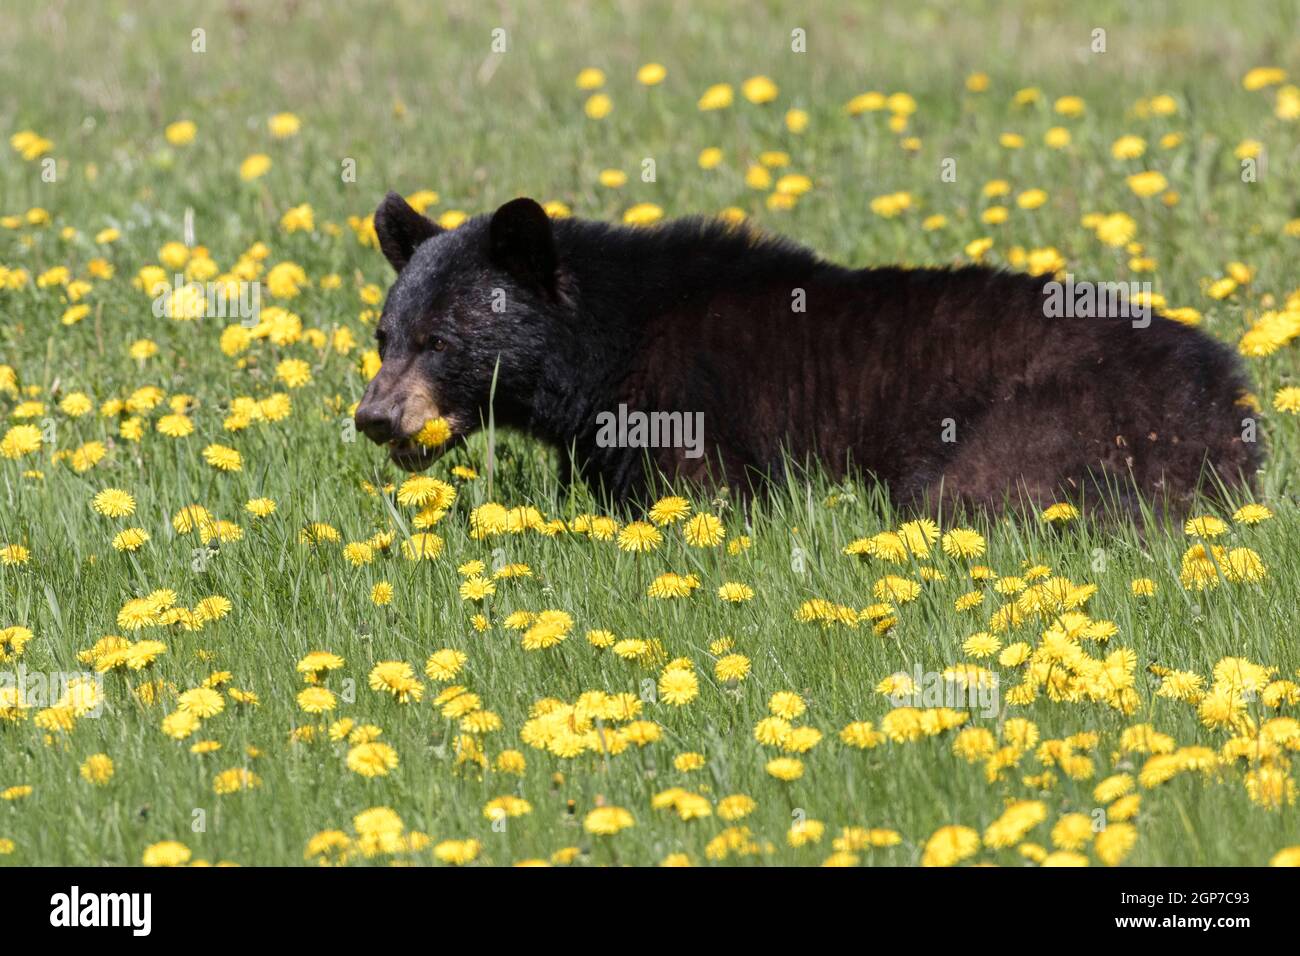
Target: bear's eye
{"x":439,"y":345}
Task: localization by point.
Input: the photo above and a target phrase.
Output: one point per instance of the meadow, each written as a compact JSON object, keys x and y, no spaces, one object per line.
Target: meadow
{"x":246,"y":638}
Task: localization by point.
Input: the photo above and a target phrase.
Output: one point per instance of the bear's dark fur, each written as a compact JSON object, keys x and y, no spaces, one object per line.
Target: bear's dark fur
{"x":948,"y":385}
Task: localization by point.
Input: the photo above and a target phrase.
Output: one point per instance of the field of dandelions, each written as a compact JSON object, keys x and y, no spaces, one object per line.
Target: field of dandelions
{"x":230,"y":634}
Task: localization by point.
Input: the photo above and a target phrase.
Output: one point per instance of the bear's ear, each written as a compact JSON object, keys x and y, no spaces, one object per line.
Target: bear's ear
{"x":400,"y":229}
{"x":521,"y":242}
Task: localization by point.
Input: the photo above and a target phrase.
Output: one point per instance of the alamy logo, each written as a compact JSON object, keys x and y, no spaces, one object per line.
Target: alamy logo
{"x":103,"y":909}
{"x":210,"y":300}
{"x":968,"y":689}
{"x":651,"y":430}
{"x":81,"y":691}
{"x":1093,"y":300}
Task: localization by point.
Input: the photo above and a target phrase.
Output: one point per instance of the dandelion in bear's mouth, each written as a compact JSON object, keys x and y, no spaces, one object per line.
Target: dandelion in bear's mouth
{"x":436,"y":431}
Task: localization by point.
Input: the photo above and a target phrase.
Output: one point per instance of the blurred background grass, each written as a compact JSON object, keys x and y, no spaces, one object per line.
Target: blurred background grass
{"x":480,"y":126}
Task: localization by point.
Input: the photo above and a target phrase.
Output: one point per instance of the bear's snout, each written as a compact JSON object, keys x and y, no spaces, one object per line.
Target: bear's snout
{"x":397,"y":403}
{"x":379,"y":420}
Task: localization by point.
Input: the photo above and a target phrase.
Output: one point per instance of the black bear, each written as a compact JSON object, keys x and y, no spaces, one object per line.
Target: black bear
{"x":702,"y":350}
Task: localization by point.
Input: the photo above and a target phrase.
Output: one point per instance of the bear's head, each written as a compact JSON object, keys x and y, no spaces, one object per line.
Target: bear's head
{"x":469,"y":311}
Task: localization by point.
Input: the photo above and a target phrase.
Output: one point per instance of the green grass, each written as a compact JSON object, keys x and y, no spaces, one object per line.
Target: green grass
{"x":479,"y":129}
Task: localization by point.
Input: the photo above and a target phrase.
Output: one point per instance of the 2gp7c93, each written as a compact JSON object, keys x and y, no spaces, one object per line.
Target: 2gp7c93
{"x":1195,"y":897}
